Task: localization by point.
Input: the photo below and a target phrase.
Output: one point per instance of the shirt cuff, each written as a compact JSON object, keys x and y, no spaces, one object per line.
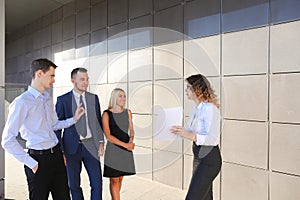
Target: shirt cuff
{"x":30,"y":162}
{"x":70,"y":121}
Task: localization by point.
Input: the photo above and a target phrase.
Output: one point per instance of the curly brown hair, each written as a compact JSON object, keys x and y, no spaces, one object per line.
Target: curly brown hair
{"x":202,"y":88}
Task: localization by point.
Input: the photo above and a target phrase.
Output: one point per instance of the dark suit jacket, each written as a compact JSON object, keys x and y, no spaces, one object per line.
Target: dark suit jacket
{"x":65,"y":108}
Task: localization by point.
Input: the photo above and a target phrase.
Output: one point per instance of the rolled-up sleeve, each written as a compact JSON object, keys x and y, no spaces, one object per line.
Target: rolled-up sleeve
{"x":59,"y":124}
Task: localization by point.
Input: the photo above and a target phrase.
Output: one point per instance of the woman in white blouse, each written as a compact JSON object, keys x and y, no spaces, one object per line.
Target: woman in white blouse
{"x":203,"y":128}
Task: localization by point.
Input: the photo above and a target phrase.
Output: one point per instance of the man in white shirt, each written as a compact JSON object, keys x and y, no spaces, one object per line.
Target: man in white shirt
{"x":33,"y":115}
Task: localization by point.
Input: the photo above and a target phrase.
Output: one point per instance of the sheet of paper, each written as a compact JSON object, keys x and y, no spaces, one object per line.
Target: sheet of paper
{"x":166,"y":118}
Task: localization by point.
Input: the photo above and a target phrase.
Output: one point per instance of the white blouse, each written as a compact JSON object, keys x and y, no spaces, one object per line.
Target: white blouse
{"x":205,"y":122}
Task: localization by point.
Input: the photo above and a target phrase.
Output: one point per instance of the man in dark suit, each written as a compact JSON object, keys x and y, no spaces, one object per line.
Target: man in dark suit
{"x":83,"y":142}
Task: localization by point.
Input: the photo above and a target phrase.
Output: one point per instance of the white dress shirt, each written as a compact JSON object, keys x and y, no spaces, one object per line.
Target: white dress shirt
{"x":77,"y":99}
{"x":205,"y":122}
{"x":33,"y":115}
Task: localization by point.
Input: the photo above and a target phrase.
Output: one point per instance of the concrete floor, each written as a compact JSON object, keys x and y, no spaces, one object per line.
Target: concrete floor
{"x":134,"y":187}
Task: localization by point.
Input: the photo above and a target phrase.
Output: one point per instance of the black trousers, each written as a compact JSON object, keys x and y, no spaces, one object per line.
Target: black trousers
{"x":207,"y":165}
{"x":51,"y":176}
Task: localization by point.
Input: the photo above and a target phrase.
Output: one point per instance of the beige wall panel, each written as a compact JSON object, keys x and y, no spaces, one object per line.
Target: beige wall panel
{"x":215,"y":83}
{"x":284,"y":98}
{"x":140,"y":97}
{"x":104,"y":91}
{"x":284,"y":187}
{"x":168,"y":61}
{"x":188,"y":104}
{"x":117,"y":67}
{"x":245,"y":143}
{"x":217,"y":187}
{"x":117,"y":43}
{"x":143,"y":130}
{"x":167,"y":94}
{"x":65,"y":55}
{"x":167,"y":168}
{"x":285,"y":47}
{"x":63,"y":73}
{"x":240,"y":182}
{"x":98,"y":69}
{"x":285,"y":148}
{"x":82,"y":52}
{"x":64,"y":69}
{"x":58,"y":91}
{"x":187,"y":144}
{"x":188,"y":170}
{"x":143,"y":161}
{"x":140,"y":65}
{"x":99,"y":48}
{"x":202,"y":56}
{"x":245,"y":52}
{"x":245,"y":97}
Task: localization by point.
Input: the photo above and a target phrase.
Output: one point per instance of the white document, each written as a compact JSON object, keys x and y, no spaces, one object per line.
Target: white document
{"x":166,"y":118}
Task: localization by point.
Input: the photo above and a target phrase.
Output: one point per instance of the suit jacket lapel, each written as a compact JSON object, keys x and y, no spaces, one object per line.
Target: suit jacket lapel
{"x":74,"y":104}
{"x":88,"y":103}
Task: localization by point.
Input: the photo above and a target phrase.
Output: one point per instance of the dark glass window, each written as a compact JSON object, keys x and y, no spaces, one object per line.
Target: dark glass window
{"x":141,"y":32}
{"x":117,"y":38}
{"x":202,"y":18}
{"x":139,"y":8}
{"x":162,"y":4}
{"x":171,"y":19}
{"x":284,"y":10}
{"x":99,"y":16}
{"x":117,"y":11}
{"x":244,"y":14}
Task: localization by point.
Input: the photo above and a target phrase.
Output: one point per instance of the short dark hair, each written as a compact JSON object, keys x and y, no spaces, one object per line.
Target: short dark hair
{"x":41,"y":64}
{"x":76,"y":70}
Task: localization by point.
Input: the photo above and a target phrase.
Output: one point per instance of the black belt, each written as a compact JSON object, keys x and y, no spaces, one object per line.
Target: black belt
{"x":85,"y":140}
{"x":46,"y":151}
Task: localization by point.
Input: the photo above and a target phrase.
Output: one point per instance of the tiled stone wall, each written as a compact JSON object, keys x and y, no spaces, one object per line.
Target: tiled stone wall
{"x":248,"y":49}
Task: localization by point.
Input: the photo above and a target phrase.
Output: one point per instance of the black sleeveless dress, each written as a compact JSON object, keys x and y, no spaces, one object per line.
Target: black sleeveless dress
{"x":118,"y":161}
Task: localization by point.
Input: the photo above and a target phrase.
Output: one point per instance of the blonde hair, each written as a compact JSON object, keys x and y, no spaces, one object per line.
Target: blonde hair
{"x":113,"y":97}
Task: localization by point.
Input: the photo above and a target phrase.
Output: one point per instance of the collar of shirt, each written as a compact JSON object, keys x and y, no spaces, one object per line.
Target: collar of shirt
{"x":37,"y":94}
{"x":77,"y":95}
{"x":77,"y":99}
{"x":200,"y":105}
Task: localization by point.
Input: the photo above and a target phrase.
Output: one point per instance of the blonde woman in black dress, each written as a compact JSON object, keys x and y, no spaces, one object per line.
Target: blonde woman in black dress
{"x":118,"y":157}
